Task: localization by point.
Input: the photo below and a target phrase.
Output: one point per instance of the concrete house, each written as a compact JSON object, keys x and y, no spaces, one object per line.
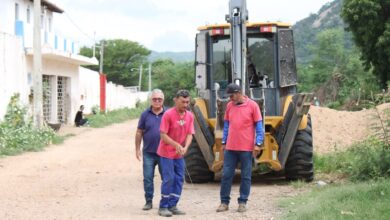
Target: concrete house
{"x":60,"y":61}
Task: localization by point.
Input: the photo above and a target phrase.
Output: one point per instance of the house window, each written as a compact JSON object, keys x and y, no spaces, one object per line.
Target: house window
{"x":28,"y":14}
{"x":42,"y":17}
{"x":16,"y":11}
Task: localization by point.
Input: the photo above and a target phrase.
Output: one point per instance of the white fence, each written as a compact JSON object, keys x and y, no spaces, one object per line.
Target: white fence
{"x":117,"y":96}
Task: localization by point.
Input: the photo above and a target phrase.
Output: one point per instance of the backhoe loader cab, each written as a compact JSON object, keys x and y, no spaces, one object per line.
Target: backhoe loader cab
{"x":270,"y":63}
{"x":260,"y":58}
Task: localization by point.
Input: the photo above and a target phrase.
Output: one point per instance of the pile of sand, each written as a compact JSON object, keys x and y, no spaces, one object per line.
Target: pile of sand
{"x":337,"y":130}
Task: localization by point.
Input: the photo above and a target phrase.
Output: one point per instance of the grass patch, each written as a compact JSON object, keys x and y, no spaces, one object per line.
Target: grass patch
{"x":116,"y":116}
{"x":60,"y":139}
{"x":365,"y":200}
{"x":365,"y":168}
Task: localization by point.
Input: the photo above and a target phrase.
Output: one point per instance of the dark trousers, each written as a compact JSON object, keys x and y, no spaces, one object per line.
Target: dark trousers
{"x":150,"y":161}
{"x":231,"y":159}
{"x":81,"y":122}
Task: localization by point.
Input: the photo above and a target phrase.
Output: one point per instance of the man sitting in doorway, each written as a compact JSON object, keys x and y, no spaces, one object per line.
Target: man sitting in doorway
{"x":79,"y":120}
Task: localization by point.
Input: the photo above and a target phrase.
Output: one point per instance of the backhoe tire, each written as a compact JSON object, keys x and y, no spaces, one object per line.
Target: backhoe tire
{"x":197,"y":168}
{"x":299,"y":164}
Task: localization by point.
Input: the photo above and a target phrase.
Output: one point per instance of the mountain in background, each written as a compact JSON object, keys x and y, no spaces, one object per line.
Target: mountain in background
{"x":305,"y":31}
{"x":174,"y":56}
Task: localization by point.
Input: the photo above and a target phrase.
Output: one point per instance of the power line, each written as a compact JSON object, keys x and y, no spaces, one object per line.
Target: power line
{"x":74,"y":23}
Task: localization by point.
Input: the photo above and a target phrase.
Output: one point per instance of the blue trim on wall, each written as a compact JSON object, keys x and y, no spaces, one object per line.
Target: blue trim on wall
{"x":64,"y":44}
{"x":72,"y":47}
{"x":19,"y":30}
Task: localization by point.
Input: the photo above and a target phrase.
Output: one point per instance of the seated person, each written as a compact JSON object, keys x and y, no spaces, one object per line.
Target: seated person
{"x":79,"y":120}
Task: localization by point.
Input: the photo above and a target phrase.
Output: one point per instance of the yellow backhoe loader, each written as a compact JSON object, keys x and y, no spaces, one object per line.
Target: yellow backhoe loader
{"x":260,"y":58}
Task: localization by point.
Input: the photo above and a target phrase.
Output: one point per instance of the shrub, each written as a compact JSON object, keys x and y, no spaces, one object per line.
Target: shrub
{"x":17,"y":133}
{"x":367,"y":160}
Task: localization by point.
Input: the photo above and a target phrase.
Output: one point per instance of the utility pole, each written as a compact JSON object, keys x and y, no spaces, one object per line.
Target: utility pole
{"x":94,"y":44}
{"x":37,"y":67}
{"x":140,"y":77}
{"x":101,"y":57}
{"x":150,"y":77}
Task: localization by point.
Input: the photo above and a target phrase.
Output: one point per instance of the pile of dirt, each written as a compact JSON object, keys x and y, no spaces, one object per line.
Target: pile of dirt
{"x":336,"y":130}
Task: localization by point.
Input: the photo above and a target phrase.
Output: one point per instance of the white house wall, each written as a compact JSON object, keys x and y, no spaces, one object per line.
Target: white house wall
{"x":13,"y":73}
{"x":7,"y":21}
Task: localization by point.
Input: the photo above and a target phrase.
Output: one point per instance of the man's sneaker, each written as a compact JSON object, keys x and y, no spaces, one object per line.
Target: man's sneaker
{"x":176,"y":211}
{"x":223,"y":207}
{"x":148,"y":206}
{"x":241,"y":207}
{"x":164,"y":212}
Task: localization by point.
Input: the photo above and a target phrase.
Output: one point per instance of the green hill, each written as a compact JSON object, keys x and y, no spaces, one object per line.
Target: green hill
{"x":305,"y":30}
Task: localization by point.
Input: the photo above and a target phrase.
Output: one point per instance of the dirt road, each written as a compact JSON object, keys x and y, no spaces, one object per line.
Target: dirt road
{"x":94,"y":175}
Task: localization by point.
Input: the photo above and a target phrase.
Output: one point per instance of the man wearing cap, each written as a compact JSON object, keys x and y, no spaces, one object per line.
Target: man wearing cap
{"x":242,"y":138}
{"x":176,"y":130}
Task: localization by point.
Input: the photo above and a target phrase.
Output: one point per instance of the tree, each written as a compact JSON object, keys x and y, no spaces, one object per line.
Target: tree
{"x":170,"y":77}
{"x":119,"y":57}
{"x":329,"y":57}
{"x":335,"y":73}
{"x":369,"y":22}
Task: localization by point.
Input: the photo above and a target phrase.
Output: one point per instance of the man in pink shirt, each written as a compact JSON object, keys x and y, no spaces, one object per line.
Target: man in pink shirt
{"x":176,"y":130}
{"x":242,"y":121}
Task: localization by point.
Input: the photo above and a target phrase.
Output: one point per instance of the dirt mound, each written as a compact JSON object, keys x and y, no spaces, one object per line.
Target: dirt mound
{"x":336,"y":130}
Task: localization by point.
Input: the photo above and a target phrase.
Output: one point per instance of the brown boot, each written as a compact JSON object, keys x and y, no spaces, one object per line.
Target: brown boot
{"x":241,"y":207}
{"x":223,"y":207}
{"x":176,"y":211}
{"x":164,"y":212}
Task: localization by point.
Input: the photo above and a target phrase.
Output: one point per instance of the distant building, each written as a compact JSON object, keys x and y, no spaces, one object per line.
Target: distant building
{"x":60,"y":61}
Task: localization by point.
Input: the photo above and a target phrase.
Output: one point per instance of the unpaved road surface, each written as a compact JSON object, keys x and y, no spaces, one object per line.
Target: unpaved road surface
{"x":95,"y":175}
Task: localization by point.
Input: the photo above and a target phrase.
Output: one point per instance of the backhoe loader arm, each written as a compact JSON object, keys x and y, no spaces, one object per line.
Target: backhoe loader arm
{"x":237,"y":17}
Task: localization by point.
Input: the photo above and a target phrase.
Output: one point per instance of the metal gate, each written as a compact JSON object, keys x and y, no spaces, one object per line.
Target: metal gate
{"x":47,"y":97}
{"x":61,"y":99}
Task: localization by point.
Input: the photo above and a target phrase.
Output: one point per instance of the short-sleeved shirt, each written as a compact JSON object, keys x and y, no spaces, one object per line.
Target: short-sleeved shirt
{"x":176,"y":127}
{"x":242,"y":122}
{"x":149,"y":122}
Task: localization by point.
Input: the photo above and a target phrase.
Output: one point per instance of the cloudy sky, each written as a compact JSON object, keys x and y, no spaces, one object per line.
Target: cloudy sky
{"x":164,"y":25}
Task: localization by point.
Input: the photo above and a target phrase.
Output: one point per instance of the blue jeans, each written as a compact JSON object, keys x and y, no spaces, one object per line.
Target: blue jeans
{"x":150,"y":160}
{"x":231,"y":159}
{"x":173,"y":179}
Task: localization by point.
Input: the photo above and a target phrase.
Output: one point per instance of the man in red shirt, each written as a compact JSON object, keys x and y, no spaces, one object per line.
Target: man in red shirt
{"x":242,"y":121}
{"x":176,"y":130}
